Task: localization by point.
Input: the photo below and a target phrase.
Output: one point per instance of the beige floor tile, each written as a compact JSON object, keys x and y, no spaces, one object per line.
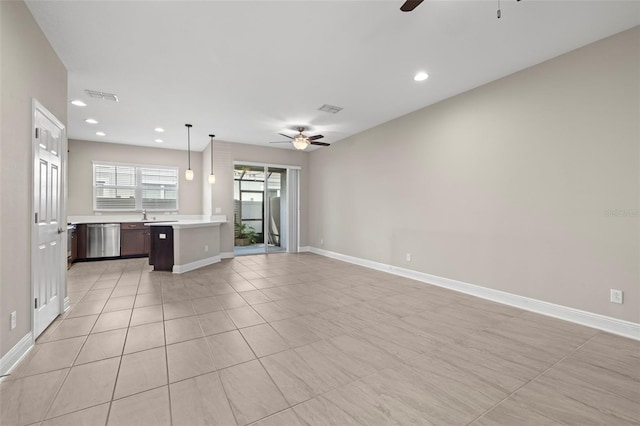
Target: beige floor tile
{"x":295,"y":332}
{"x":252,"y":394}
{"x":254,"y":297}
{"x":141,"y":371}
{"x":215,"y":322}
{"x":297,"y":380}
{"x":147,"y":408}
{"x":146,"y":315}
{"x":25,"y":401}
{"x":230,"y":301}
{"x":200,"y":401}
{"x":287,"y":417}
{"x":181,"y":329}
{"x":245,"y":317}
{"x":189,"y":359}
{"x":85,"y":386}
{"x":205,"y":305}
{"x":119,"y":303}
{"x":101,"y":346}
{"x":229,"y":349}
{"x":143,"y":337}
{"x":123,"y":291}
{"x":98,"y":295}
{"x":148,"y":299}
{"x":337,"y":368}
{"x":173,"y":310}
{"x":50,"y":356}
{"x":88,"y":417}
{"x":89,"y":307}
{"x":73,"y":327}
{"x":112,"y":321}
{"x":272,"y":311}
{"x":264,"y":340}
{"x":322,"y":412}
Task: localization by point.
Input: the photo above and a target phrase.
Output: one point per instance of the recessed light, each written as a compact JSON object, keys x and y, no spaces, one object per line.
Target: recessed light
{"x":159,"y":129}
{"x":159,"y":140}
{"x":421,"y":76}
{"x":101,"y":134}
{"x":91,"y":121}
{"x":78,"y":102}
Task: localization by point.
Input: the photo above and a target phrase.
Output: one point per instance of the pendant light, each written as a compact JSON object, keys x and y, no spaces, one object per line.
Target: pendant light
{"x":212,"y":176}
{"x":189,"y":173}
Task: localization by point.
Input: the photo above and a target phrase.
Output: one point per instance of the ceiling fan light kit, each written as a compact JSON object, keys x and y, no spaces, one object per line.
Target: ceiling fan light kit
{"x":300,"y":142}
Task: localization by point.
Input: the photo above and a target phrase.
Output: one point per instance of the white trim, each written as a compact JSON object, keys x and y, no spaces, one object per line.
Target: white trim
{"x":181,"y":269}
{"x":304,"y":249}
{"x":16,"y":354}
{"x":227,"y":255}
{"x":609,"y":324}
{"x":67,"y":304}
{"x":252,"y":163}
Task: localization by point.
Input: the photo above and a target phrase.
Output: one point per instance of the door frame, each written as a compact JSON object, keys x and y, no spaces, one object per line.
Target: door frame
{"x":292,"y":246}
{"x":37,"y":107}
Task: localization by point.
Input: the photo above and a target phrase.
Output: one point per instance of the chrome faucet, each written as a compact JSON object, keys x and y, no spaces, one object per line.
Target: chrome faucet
{"x":144,"y":215}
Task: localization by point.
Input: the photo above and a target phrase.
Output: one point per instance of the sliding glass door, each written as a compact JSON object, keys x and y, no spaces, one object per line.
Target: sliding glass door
{"x":262,"y":211}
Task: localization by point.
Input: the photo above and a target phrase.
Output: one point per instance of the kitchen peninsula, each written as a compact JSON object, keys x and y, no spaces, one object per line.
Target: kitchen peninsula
{"x":176,"y":243}
{"x":185,"y":245}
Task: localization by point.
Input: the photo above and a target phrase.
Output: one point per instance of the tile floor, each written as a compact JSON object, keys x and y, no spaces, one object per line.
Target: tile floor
{"x":299,"y":339}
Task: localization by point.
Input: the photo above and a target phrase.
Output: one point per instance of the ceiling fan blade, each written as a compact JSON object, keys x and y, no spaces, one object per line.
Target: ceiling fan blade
{"x":286,"y":136}
{"x":320,"y":143}
{"x":315,"y":138}
{"x":409,"y":5}
{"x":281,"y":142}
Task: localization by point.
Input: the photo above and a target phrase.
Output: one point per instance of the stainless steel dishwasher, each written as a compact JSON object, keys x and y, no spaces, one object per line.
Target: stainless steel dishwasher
{"x":103,"y":240}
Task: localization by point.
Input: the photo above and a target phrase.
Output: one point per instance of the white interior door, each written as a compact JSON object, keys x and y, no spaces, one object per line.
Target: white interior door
{"x":49,"y":230}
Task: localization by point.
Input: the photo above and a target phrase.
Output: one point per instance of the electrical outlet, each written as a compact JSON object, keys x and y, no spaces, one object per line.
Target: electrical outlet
{"x":206,"y":248}
{"x":616,"y":296}
{"x":14,"y":320}
{"x":321,"y":241}
{"x":408,"y":257}
{"x":218,"y":210}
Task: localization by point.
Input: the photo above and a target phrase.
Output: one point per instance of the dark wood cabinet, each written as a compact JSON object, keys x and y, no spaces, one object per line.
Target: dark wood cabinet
{"x":161,"y":250}
{"x":81,"y":241}
{"x":74,"y":245}
{"x":134,"y":239}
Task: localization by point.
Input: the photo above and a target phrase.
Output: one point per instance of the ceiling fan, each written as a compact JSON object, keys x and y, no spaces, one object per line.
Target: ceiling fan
{"x":409,"y":5}
{"x":302,"y":141}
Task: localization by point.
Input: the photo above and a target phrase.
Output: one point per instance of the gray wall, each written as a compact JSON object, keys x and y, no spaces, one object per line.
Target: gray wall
{"x":83,"y":153}
{"x":509,"y":186}
{"x":29,"y":69}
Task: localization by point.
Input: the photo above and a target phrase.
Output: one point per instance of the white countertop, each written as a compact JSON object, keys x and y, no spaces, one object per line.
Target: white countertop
{"x":164,"y":219}
{"x":189,"y":223}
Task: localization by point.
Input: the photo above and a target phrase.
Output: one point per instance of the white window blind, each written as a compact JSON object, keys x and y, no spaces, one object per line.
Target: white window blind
{"x":127,"y":187}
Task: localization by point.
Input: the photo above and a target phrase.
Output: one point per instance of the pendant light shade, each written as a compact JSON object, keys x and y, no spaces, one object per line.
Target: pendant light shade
{"x":189,"y":173}
{"x":212,"y":176}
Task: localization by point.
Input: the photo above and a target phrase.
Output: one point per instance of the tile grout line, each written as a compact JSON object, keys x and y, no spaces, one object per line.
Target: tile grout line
{"x":487,"y":411}
{"x":124,"y":344}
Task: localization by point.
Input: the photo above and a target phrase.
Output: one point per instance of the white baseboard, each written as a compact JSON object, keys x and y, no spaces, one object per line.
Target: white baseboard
{"x":601,"y":322}
{"x":15,"y":354}
{"x":181,"y":269}
{"x":67,"y":304}
{"x":304,"y":249}
{"x":227,"y":255}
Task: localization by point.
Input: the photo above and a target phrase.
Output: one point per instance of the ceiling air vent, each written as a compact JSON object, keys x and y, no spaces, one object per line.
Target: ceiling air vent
{"x":102,"y":95}
{"x":330,"y":109}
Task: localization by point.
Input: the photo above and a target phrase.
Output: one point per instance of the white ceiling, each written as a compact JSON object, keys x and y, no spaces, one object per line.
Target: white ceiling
{"x":247,"y":70}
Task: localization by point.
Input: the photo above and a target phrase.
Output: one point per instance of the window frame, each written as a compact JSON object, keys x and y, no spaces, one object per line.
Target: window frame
{"x":138,"y":188}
